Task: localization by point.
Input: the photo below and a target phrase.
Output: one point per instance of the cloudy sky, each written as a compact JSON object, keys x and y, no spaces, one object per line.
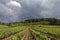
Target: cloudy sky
{"x":18,"y":10}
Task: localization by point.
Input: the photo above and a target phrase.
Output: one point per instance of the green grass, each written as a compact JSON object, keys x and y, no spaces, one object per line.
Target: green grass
{"x":40,"y":35}
{"x":3,"y":26}
{"x":15,"y":38}
{"x":19,"y":36}
{"x":7,"y":31}
{"x":53,"y":30}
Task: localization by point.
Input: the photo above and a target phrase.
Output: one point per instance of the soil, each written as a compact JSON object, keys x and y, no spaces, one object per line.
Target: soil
{"x":52,"y":37}
{"x":29,"y":36}
{"x":11,"y":36}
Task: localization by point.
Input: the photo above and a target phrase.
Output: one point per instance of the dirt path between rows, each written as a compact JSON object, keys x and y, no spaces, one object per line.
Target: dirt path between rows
{"x":11,"y":36}
{"x":29,"y":36}
{"x":51,"y":37}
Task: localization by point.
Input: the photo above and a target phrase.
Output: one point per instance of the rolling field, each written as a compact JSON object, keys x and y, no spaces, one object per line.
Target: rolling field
{"x":47,"y":32}
{"x":11,"y":33}
{"x":33,"y":32}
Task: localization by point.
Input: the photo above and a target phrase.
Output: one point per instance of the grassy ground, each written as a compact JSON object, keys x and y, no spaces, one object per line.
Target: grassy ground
{"x":43,"y":32}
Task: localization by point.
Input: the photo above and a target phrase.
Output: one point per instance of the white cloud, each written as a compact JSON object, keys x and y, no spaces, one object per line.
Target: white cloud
{"x":44,"y":1}
{"x":13,"y":3}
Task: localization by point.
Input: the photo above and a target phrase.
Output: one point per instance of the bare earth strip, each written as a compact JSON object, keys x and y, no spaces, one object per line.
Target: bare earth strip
{"x":52,"y":37}
{"x":29,"y":36}
{"x":9,"y":38}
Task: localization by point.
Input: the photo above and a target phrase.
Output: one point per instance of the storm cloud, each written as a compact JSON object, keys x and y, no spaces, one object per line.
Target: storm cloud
{"x":18,"y":10}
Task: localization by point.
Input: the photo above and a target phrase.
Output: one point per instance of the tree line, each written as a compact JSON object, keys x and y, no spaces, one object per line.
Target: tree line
{"x":47,"y":21}
{"x":44,"y":21}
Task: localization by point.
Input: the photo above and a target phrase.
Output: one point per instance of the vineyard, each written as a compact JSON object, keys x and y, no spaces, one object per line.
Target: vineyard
{"x":32,"y":32}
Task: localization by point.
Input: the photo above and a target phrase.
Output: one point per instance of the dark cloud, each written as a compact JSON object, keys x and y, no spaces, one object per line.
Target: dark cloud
{"x":29,"y":9}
